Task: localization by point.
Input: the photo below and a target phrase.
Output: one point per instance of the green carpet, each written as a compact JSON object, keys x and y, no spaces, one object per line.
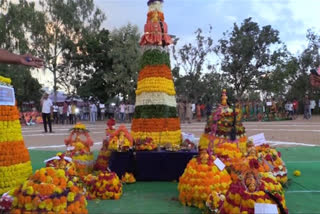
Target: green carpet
{"x":302,"y":195}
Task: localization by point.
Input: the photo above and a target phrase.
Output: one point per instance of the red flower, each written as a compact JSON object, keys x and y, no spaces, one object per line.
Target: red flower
{"x":268,"y":157}
{"x":254,"y":164}
{"x":279,"y":154}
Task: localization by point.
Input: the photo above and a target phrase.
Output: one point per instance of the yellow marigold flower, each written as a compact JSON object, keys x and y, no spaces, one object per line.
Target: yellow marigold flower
{"x":297,"y":173}
{"x":70,"y":196}
{"x":60,"y":173}
{"x":29,"y":190}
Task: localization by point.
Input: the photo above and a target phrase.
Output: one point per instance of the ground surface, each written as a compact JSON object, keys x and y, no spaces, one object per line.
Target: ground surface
{"x":299,"y":141}
{"x":280,"y":133}
{"x":302,"y":194}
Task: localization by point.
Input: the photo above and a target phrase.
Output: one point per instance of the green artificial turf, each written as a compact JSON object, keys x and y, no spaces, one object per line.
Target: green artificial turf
{"x":302,"y":194}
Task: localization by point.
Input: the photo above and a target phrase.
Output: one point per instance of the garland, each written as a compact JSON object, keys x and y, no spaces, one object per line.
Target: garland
{"x":155,"y":111}
{"x":155,"y":57}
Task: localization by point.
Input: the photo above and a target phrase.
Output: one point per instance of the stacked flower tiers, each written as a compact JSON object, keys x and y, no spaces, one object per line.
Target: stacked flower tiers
{"x":155,"y":113}
{"x":49,"y":191}
{"x":102,"y":162}
{"x":78,"y":149}
{"x":15,"y":165}
{"x":256,"y":172}
{"x":200,"y":178}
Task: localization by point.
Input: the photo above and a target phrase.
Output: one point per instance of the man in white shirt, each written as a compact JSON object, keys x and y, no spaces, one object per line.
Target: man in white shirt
{"x":46,"y":105}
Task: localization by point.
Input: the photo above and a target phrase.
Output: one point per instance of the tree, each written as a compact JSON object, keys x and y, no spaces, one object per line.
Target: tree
{"x":191,"y":59}
{"x":96,"y":62}
{"x":15,"y":21}
{"x":125,"y":55}
{"x":247,"y":54}
{"x":64,"y":24}
{"x":309,"y":59}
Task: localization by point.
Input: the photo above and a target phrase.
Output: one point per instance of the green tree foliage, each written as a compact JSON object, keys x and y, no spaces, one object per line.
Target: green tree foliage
{"x":191,"y":59}
{"x":112,"y":62}
{"x":16,"y":24}
{"x":247,"y":54}
{"x":125,"y":55}
{"x":64,"y":23}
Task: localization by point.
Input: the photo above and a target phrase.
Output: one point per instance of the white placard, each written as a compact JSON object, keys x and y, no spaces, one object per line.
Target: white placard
{"x":7,"y":96}
{"x":258,"y":139}
{"x":219,"y":164}
{"x":102,"y":106}
{"x":265,"y":208}
{"x":269,"y":103}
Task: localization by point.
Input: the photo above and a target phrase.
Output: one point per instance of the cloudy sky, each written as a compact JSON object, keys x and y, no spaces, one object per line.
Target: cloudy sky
{"x":291,"y":17}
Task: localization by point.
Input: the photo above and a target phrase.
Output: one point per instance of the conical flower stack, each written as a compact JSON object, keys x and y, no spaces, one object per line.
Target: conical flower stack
{"x":155,"y":113}
{"x":15,"y":165}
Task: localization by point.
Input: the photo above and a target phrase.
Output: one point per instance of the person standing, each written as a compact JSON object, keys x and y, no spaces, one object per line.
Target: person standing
{"x":295,"y":107}
{"x":73,"y":118}
{"x":93,"y":113}
{"x":312,"y":106}
{"x":182,"y":111}
{"x":65,"y":112}
{"x":306,"y":104}
{"x":131,"y":111}
{"x":189,"y":112}
{"x":55,"y":113}
{"x":208,"y":110}
{"x":290,"y":109}
{"x":46,"y":105}
{"x":198,"y":112}
{"x":60,"y":113}
{"x":103,"y":111}
{"x":122,"y":111}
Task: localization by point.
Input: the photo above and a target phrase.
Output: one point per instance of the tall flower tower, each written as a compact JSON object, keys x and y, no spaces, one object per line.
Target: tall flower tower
{"x":15,"y":165}
{"x":155,"y":113}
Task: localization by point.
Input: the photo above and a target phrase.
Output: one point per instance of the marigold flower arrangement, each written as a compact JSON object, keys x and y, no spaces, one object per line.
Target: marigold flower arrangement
{"x":121,"y":140}
{"x":15,"y":165}
{"x":146,"y":144}
{"x":243,"y":194}
{"x":273,"y":158}
{"x":200,"y":178}
{"x":79,"y":149}
{"x":215,"y":202}
{"x":155,"y":113}
{"x":61,"y":161}
{"x":105,"y":152}
{"x":128,"y":178}
{"x":49,"y":191}
{"x":106,"y":185}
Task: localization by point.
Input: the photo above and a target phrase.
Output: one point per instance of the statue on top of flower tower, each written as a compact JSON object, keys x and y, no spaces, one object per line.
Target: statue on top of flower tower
{"x":156,"y":29}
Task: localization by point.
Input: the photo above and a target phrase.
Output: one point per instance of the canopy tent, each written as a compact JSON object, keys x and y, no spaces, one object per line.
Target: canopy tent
{"x":59,"y":98}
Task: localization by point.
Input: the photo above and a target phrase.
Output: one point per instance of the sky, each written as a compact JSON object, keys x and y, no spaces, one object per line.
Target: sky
{"x":291,"y":17}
